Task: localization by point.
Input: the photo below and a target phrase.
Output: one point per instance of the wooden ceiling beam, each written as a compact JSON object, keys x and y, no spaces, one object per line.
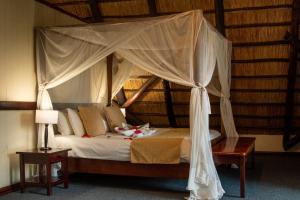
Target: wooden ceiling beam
{"x":288,"y":141}
{"x":96,"y":13}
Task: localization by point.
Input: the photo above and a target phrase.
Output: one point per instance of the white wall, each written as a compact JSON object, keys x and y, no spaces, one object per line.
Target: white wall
{"x":17,"y":76}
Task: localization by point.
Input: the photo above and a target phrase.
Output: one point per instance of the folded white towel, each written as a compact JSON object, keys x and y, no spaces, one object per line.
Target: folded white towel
{"x":135,"y":131}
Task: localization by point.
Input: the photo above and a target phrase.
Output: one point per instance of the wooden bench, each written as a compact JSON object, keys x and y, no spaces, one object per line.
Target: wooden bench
{"x":235,"y":151}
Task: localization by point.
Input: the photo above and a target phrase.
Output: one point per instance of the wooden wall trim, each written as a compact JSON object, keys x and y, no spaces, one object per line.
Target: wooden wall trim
{"x":9,"y":189}
{"x":17,"y":105}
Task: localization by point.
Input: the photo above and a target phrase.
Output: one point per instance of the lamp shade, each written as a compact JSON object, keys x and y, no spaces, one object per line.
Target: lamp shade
{"x":46,"y":116}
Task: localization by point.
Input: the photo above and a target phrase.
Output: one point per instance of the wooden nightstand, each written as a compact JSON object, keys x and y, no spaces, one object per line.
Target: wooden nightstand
{"x":44,"y":159}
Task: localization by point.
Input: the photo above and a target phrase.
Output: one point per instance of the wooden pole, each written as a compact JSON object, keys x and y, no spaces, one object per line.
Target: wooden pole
{"x":96,"y":14}
{"x":219,"y":17}
{"x":292,"y":75}
{"x":166,"y":84}
{"x":109,"y":65}
{"x":169,"y":104}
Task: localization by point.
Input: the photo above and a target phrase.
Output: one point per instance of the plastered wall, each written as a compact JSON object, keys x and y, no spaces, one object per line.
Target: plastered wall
{"x":17,"y":77}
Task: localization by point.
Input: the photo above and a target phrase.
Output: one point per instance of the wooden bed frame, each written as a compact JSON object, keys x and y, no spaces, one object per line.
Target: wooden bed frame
{"x":126,"y":168}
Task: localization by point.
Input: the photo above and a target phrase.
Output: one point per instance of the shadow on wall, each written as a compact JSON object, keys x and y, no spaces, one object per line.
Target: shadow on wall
{"x":26,"y":133}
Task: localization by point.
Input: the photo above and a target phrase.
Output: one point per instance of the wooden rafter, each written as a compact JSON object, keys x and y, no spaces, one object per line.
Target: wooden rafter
{"x":148,"y":83}
{"x":289,"y":142}
{"x":96,"y":14}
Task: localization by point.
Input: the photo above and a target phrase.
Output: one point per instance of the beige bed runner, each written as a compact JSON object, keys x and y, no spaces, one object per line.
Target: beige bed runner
{"x":163,"y":148}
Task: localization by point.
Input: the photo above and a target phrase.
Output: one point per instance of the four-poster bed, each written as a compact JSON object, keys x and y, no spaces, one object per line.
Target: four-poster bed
{"x":182,"y":48}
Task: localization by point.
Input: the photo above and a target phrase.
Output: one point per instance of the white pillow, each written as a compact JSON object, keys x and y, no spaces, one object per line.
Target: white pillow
{"x":63,"y":124}
{"x":75,"y":122}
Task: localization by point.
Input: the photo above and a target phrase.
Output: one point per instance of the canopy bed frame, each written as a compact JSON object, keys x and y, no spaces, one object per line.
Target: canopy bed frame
{"x":182,"y":48}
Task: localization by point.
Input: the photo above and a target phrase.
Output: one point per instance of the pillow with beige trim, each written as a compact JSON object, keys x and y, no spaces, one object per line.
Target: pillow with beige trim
{"x":93,"y":122}
{"x":114,"y":117}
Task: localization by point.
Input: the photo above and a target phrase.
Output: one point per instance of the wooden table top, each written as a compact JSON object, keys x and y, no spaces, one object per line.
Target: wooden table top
{"x":234,"y":146}
{"x":38,"y":151}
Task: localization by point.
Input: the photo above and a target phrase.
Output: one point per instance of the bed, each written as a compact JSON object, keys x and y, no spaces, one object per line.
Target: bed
{"x":184,"y":49}
{"x":110,"y":154}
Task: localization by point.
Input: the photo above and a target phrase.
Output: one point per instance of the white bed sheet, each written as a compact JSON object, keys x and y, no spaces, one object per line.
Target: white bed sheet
{"x":114,"y":147}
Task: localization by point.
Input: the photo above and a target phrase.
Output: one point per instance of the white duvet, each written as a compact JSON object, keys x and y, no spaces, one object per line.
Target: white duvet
{"x":113,"y":146}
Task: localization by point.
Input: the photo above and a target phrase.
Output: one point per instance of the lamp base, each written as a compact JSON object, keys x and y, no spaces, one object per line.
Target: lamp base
{"x":45,"y":148}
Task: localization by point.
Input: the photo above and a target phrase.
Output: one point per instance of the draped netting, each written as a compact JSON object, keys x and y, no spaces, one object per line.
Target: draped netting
{"x":182,"y":48}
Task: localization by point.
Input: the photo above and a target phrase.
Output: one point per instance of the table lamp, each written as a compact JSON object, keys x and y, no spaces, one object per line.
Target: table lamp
{"x":46,"y":117}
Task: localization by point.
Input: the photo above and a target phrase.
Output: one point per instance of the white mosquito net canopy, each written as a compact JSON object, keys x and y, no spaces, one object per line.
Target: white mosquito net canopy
{"x":183,"y":48}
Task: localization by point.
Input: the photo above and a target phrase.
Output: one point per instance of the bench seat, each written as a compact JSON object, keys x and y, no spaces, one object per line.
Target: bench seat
{"x":235,"y":151}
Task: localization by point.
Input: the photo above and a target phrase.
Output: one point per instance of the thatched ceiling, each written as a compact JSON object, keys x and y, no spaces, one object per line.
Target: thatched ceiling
{"x":261,"y":80}
{"x":87,"y":10}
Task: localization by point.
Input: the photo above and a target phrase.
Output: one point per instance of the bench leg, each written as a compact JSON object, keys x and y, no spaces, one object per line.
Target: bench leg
{"x":242,"y":176}
{"x":253,"y":158}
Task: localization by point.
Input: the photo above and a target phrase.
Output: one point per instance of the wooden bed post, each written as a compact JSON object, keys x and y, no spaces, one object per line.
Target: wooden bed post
{"x":109,"y":65}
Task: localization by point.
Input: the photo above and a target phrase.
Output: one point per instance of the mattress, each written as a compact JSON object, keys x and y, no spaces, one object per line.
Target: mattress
{"x":115,"y":147}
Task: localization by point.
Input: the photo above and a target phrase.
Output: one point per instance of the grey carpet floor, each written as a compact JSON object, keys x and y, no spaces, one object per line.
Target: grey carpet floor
{"x":274,"y":178}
